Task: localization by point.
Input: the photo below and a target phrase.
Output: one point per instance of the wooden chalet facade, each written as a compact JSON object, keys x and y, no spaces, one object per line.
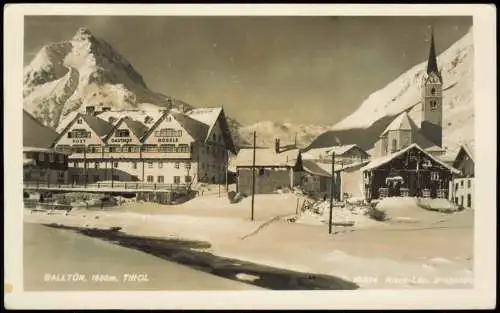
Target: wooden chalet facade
{"x":410,"y":172}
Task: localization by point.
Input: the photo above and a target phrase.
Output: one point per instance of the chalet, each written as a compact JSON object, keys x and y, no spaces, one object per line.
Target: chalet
{"x":344,"y":154}
{"x":41,"y":164}
{"x":167,"y":147}
{"x":462,"y":187}
{"x":411,"y":171}
{"x":274,"y":169}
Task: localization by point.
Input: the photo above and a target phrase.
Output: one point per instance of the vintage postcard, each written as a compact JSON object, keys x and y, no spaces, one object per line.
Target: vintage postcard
{"x":201,"y":156}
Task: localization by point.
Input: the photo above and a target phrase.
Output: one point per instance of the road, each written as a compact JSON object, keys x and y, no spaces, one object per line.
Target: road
{"x":52,"y":257}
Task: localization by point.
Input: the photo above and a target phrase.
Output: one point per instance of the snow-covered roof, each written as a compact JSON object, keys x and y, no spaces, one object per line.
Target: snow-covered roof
{"x":267,"y":157}
{"x":207,"y":116}
{"x":468,"y":148}
{"x":386,"y":159}
{"x":339,"y":150}
{"x":100,"y":126}
{"x":401,"y":122}
{"x":314,"y":168}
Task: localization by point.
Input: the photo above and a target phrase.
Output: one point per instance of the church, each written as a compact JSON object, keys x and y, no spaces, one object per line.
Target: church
{"x":403,"y":131}
{"x":407,"y":159}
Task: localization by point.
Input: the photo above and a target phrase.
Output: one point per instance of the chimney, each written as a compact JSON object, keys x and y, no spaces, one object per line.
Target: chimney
{"x":277,"y":145}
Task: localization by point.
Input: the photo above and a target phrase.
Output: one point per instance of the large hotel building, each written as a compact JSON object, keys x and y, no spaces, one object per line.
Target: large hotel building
{"x":161,"y":146}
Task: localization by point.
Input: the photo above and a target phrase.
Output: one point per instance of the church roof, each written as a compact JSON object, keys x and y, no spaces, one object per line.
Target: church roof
{"x":432,"y":66}
{"x":401,"y":122}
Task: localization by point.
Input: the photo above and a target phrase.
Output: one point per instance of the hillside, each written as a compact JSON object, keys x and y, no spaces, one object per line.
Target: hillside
{"x":267,"y":131}
{"x":365,"y":124}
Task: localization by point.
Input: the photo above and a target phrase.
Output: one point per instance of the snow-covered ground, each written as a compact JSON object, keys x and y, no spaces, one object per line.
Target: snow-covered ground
{"x":374,"y":255}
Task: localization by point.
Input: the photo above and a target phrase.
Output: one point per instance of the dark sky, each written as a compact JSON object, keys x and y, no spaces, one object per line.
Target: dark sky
{"x":299,"y":69}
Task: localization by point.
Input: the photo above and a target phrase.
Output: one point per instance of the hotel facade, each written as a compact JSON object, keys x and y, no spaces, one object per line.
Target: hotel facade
{"x":168,"y":147}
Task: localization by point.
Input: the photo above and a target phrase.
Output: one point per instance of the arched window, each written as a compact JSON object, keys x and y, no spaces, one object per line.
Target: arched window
{"x":433,"y":91}
{"x":433,"y":104}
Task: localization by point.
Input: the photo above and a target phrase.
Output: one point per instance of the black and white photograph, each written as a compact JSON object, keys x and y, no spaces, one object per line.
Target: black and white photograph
{"x":172,"y":152}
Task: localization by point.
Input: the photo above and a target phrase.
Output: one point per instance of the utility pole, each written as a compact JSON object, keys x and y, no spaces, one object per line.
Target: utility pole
{"x":332,"y":189}
{"x":227,"y":169}
{"x":253,"y":174}
{"x":85,"y":165}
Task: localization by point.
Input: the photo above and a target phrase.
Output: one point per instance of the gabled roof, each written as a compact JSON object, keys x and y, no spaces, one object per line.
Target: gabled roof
{"x":313,"y":168}
{"x":339,"y":151}
{"x":401,"y":122}
{"x":135,"y":126}
{"x":210,"y":116}
{"x":35,"y":134}
{"x":404,"y":122}
{"x":196,"y":129}
{"x":267,"y":157}
{"x":467,"y":149}
{"x":98,"y":125}
{"x":386,"y":159}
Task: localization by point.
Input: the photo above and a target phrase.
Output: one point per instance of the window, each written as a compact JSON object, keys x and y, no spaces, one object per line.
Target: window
{"x":462,"y":200}
{"x":461,"y":183}
{"x":96,"y":177}
{"x":394,"y":144}
{"x":150,"y":164}
{"x":160,"y":179}
{"x":122,"y":133}
{"x":434,"y":176}
{"x":79,"y":133}
{"x":469,"y":200}
{"x":75,"y":164}
{"x":150,"y":148}
{"x":115,"y":164}
{"x":60,"y":158}
{"x":177,"y":179}
{"x":433,"y":91}
{"x":41,"y":157}
{"x":456,"y":186}
{"x":51,"y":158}
{"x":468,"y":183}
{"x":183,"y":148}
{"x":94,"y":149}
{"x":262,"y":171}
{"x":134,"y":165}
{"x":160,"y":164}
{"x":214,"y":137}
{"x":79,"y":121}
{"x":433,"y":104}
{"x":150,"y":178}
{"x":96,"y":165}
{"x":167,"y":148}
{"x":116,"y":177}
{"x":168,"y":132}
{"x":176,"y":165}
{"x":187,"y":179}
{"x":187,"y":165}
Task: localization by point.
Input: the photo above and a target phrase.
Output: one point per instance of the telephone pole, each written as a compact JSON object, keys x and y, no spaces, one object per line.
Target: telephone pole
{"x":253,"y":174}
{"x":332,"y":189}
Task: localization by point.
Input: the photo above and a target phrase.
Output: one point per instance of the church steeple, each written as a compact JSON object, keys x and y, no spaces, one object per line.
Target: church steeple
{"x":432,"y":66}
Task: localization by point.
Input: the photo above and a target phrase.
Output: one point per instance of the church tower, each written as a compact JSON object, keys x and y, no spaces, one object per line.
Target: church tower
{"x":432,"y":108}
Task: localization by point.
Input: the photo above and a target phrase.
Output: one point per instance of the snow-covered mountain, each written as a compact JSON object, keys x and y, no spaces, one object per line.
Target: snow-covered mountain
{"x":404,"y":93}
{"x":267,"y":131}
{"x":65,"y":76}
